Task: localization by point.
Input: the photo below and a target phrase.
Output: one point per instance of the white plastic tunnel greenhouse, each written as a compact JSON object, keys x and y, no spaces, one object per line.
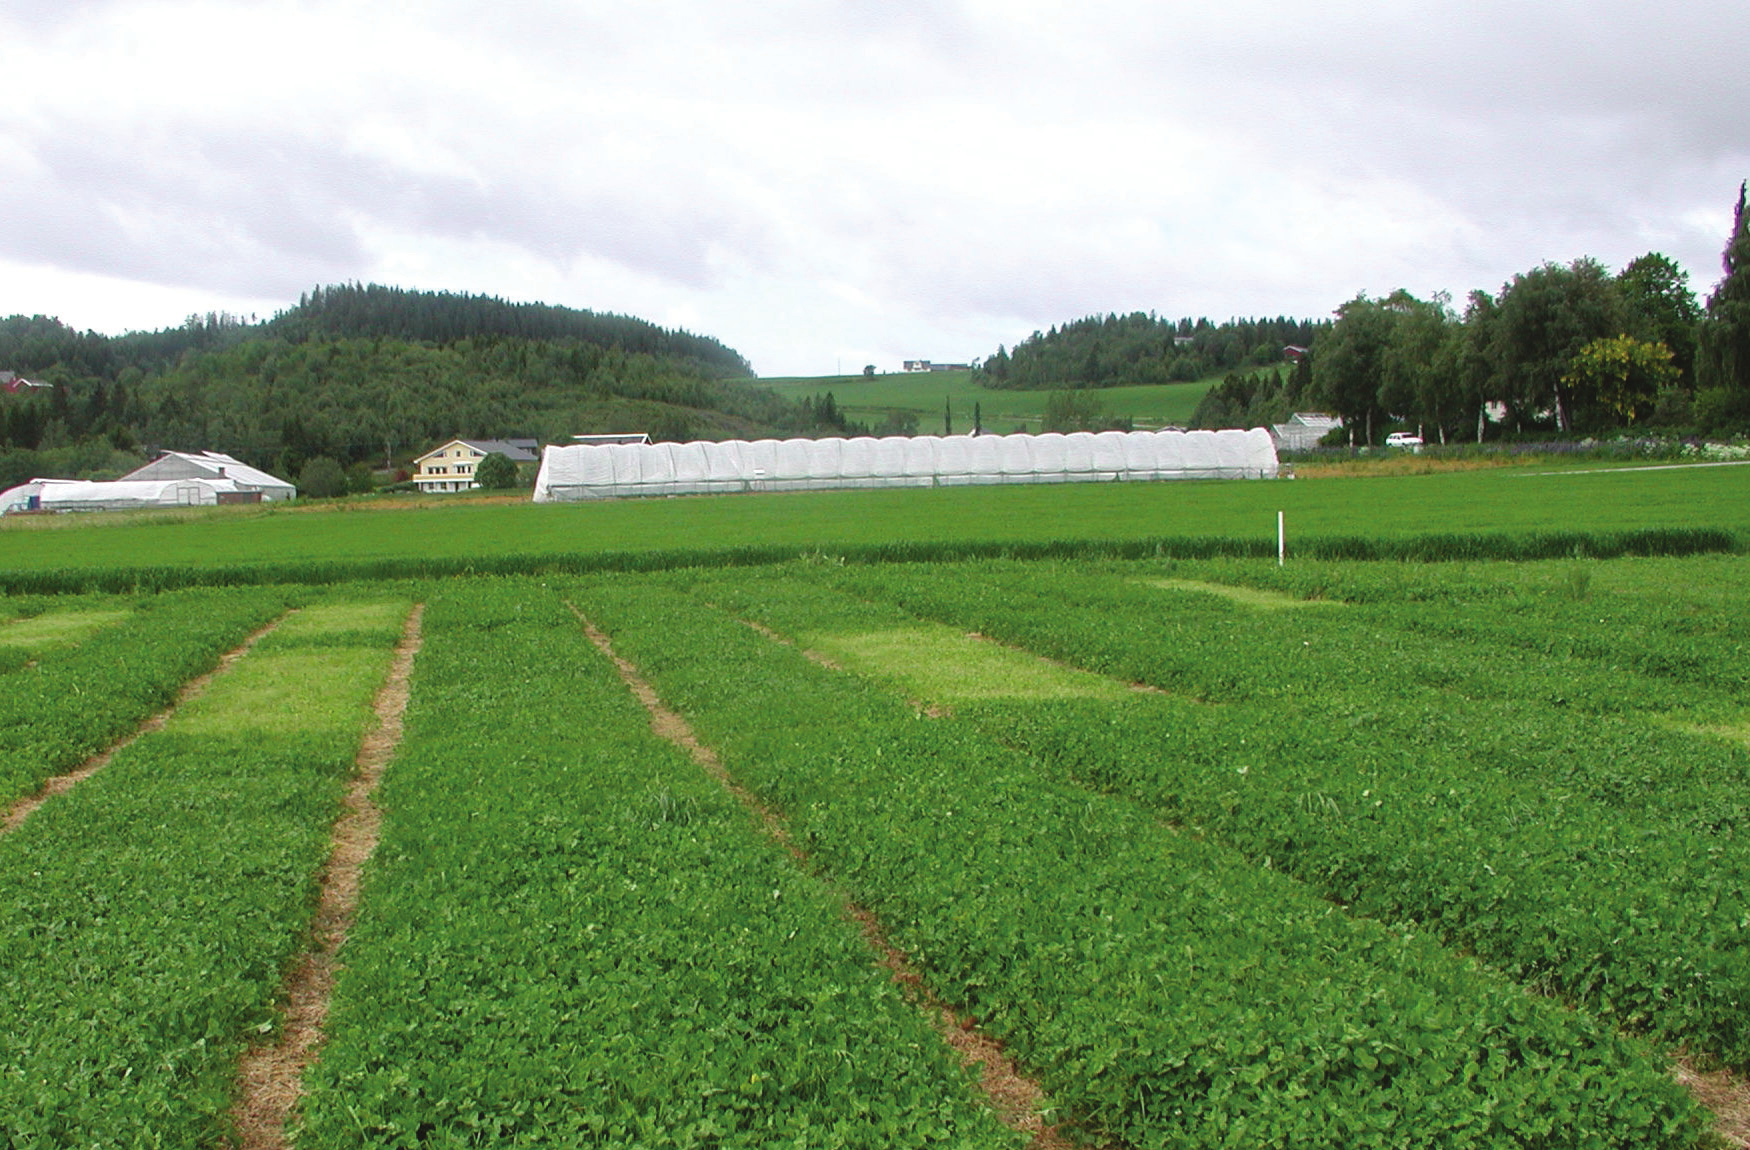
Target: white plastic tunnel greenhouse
{"x":612,"y":471}
{"x":117,"y":495}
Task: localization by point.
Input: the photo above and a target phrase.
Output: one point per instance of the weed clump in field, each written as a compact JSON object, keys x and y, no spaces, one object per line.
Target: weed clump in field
{"x":1579,"y":583}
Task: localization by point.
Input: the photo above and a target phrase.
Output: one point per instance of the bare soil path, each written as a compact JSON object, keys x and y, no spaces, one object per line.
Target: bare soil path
{"x":1727,"y":1096}
{"x":15,"y":815}
{"x":268,"y":1075}
{"x":1016,"y":1098}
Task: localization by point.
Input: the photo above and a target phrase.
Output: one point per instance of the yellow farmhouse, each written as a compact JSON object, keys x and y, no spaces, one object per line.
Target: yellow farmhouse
{"x":451,"y":467}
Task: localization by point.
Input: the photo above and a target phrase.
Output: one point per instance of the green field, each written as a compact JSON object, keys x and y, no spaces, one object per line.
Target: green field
{"x":373,"y":538}
{"x":868,"y":399}
{"x":1224,"y":853}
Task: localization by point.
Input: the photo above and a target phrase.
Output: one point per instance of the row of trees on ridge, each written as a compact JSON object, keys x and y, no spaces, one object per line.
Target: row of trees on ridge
{"x":1568,"y":347}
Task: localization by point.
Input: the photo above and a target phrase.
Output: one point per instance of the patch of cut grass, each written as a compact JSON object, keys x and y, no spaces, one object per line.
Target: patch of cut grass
{"x":306,"y":690}
{"x":1738,"y":732}
{"x":58,"y":628}
{"x":1250,"y":596}
{"x":342,"y":618}
{"x":942,"y":665}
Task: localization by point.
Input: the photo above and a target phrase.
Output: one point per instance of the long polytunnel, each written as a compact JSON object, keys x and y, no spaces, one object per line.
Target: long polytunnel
{"x":616,"y":470}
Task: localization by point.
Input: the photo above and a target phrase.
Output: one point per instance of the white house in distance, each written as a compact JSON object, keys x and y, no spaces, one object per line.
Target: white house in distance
{"x":928,"y":365}
{"x":213,"y":465}
{"x":451,"y":467}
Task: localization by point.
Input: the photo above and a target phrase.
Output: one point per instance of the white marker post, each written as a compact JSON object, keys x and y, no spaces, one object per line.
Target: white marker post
{"x":1281,"y":539}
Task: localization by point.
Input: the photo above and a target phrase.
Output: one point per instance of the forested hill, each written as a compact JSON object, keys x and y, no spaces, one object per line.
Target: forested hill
{"x":370,"y":311}
{"x":1115,"y":351}
{"x":365,"y":374}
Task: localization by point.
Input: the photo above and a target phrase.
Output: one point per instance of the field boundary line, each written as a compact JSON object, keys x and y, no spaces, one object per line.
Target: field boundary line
{"x":268,"y":1075}
{"x":60,"y":784}
{"x":1016,"y":1099}
{"x":1645,"y":467}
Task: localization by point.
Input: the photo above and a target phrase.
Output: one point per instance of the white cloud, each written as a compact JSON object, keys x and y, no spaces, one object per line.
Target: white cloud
{"x":809,"y":180}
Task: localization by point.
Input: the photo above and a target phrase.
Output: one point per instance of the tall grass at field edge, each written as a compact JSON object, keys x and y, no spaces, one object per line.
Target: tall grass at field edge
{"x":1431,"y":548}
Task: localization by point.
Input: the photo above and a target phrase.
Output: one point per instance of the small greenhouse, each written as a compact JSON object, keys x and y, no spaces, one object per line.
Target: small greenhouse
{"x":119,"y":495}
{"x":610,"y":471}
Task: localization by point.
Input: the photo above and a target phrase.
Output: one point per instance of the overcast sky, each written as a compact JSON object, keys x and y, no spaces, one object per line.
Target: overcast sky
{"x":826,"y":184}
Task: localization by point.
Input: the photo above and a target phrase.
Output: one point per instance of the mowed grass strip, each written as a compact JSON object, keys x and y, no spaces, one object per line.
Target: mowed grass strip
{"x":1249,"y":596}
{"x":1164,"y":989}
{"x":77,"y":700}
{"x":57,"y":628}
{"x":939,"y":664}
{"x":147,"y":914}
{"x":571,"y":936}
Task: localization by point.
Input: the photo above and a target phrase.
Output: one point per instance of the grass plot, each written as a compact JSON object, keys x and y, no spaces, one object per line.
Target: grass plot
{"x":147,"y":914}
{"x":57,"y":629}
{"x":288,"y":693}
{"x":1248,"y":596}
{"x":942,"y":665}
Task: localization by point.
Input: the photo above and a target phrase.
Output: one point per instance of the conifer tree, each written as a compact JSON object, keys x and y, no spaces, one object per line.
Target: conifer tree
{"x":1723,"y":360}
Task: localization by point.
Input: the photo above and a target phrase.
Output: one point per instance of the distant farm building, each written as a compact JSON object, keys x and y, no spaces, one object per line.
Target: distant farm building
{"x":931,"y":365}
{"x":601,"y":438}
{"x":215,"y":466}
{"x":451,"y":467}
{"x":13,"y":383}
{"x":43,"y":495}
{"x":174,"y":479}
{"x":1303,"y":430}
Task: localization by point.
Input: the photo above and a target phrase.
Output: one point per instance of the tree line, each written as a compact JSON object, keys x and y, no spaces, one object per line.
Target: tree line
{"x":371,"y":310}
{"x":1141,"y":348}
{"x":1563,"y":348}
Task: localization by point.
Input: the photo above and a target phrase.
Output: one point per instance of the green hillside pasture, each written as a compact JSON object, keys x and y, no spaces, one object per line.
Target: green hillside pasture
{"x":572,"y":936}
{"x":868,"y":399}
{"x":1504,"y":766}
{"x":1167,"y":991}
{"x":1350,"y":517}
{"x":149,"y":912}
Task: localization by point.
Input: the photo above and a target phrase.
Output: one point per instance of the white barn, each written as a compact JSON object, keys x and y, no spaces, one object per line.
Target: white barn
{"x":618,"y":470}
{"x":212,"y":465}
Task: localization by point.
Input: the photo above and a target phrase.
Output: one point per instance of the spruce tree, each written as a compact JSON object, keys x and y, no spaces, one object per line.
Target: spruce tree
{"x":1724,"y":355}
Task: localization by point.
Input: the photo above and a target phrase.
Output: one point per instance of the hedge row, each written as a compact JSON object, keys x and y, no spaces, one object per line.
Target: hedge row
{"x":1419,"y":549}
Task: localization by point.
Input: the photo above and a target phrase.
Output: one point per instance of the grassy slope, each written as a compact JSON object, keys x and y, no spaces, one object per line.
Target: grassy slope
{"x":868,"y":398}
{"x":1502,"y":500}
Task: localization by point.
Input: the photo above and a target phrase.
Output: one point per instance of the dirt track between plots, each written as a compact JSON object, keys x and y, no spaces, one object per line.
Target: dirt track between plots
{"x":61,"y":784}
{"x":268,"y":1076}
{"x":1726,"y":1096}
{"x":1016,"y":1099}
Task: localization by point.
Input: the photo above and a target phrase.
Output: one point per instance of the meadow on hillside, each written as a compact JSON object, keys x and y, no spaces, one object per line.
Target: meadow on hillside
{"x":929,"y":397}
